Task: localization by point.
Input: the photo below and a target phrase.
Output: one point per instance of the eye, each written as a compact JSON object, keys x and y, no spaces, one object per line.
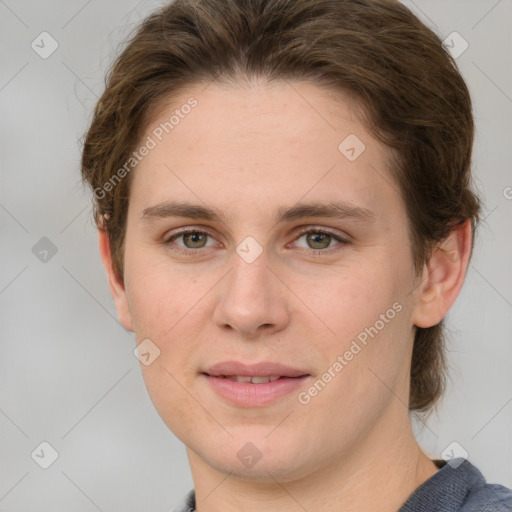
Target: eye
{"x":192,"y":239}
{"x":318,"y":239}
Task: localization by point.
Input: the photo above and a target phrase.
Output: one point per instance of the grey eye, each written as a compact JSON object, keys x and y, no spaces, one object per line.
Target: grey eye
{"x":195,"y":239}
{"x":318,"y":240}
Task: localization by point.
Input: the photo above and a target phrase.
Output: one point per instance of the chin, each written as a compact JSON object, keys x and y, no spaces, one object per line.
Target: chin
{"x":256,"y":456}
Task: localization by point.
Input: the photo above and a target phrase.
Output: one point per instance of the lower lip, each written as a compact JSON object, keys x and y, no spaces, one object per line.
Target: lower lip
{"x":245,"y":394}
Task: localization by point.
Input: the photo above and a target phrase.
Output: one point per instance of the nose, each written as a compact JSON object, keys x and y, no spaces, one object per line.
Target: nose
{"x":251,"y":300}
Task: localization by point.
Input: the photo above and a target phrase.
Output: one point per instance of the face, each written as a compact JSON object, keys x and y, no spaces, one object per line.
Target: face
{"x":265,"y":241}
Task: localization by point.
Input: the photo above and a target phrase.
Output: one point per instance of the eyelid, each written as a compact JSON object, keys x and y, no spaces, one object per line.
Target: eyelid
{"x":342,"y":238}
{"x":168,"y":238}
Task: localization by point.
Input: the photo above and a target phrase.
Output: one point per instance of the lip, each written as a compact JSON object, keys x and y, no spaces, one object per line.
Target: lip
{"x":263,"y":369}
{"x":246,"y":394}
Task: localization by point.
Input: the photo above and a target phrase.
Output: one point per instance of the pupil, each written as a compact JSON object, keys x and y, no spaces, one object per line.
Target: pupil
{"x":194,"y":240}
{"x":318,"y":240}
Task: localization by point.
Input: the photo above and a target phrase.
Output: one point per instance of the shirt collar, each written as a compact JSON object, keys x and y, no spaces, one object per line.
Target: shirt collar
{"x":447,"y":489}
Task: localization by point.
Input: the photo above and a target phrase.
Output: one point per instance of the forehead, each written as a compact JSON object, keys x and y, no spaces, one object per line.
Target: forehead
{"x":257,"y":143}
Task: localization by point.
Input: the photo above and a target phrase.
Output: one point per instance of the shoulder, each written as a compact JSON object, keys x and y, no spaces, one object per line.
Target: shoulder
{"x":458,"y":486}
{"x":480,"y":495}
{"x":488,"y":498}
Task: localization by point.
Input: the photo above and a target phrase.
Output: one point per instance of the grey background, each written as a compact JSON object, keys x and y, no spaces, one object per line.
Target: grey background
{"x":67,"y":372}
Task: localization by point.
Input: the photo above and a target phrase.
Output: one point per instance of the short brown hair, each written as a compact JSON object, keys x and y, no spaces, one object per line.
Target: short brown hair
{"x":413,"y":99}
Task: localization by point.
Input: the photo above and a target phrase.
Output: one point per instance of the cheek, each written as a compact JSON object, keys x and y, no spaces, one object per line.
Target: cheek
{"x":364,"y":316}
{"x":159,"y":297}
{"x":363,"y":375}
{"x":169,"y":308}
{"x":172,"y":399}
{"x":347,"y":299}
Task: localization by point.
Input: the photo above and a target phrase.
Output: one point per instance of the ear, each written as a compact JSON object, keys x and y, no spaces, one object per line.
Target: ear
{"x":115,"y":283}
{"x":443,"y":276}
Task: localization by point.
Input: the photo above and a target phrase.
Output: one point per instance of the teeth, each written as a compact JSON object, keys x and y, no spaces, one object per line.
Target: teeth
{"x":260,"y":380}
{"x":238,"y":378}
{"x":253,"y":380}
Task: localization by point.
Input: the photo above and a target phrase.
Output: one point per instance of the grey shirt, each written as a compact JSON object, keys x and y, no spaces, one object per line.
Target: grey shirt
{"x":456,"y":487}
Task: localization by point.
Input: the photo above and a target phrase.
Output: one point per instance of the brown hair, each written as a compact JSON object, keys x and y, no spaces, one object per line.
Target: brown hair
{"x":412,"y":96}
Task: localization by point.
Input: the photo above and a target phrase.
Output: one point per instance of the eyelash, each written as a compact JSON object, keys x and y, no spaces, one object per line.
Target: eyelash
{"x":341,"y":241}
{"x":183,"y":250}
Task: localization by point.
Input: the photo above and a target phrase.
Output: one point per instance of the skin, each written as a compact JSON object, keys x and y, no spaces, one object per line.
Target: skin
{"x":246,"y":151}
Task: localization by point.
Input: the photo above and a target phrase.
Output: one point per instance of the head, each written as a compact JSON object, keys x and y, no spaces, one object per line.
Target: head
{"x":317,"y":155}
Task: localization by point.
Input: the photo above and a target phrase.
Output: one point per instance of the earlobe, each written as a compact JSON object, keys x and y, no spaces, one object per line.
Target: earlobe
{"x":443,"y":276}
{"x":116,"y":285}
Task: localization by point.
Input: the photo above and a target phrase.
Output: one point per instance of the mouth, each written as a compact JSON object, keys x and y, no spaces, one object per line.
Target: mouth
{"x":254,"y":385}
{"x":264,"y":369}
{"x":248,"y":378}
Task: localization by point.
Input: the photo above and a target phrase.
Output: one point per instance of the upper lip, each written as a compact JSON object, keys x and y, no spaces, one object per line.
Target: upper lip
{"x":263,"y":369}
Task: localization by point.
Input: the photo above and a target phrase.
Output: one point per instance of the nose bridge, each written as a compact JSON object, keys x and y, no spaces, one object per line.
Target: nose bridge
{"x":250,"y":298}
{"x":248,"y":284}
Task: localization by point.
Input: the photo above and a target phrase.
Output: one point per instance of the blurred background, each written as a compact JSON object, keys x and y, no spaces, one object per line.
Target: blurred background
{"x":77,"y":429}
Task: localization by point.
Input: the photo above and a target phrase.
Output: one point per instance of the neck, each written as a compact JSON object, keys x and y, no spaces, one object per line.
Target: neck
{"x":380,"y":473}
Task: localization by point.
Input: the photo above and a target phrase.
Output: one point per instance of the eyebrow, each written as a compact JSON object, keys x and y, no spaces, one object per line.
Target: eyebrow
{"x":337,"y":210}
{"x":181,"y":209}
